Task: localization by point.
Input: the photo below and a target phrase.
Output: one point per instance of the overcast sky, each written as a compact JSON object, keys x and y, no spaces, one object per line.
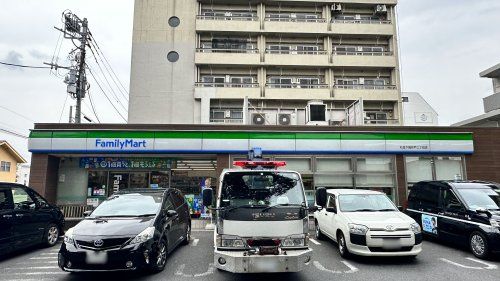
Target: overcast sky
{"x":444,"y":45}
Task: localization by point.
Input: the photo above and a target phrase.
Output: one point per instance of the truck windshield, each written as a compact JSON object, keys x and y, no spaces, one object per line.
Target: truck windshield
{"x":480,"y":198}
{"x":261,"y":189}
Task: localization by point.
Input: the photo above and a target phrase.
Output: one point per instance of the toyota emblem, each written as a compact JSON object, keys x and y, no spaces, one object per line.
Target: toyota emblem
{"x":390,"y":228}
{"x":98,"y":242}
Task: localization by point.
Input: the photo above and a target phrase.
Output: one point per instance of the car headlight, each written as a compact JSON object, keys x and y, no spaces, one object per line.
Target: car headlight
{"x":494,"y":223}
{"x":144,"y":236}
{"x":358,"y":229}
{"x":68,"y":237}
{"x":295,"y":241}
{"x":230,"y":242}
{"x":415,"y":227}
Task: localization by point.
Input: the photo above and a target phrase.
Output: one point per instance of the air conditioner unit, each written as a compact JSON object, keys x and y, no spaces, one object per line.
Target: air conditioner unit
{"x":380,"y":9}
{"x":336,"y":7}
{"x":357,"y":17}
{"x":286,"y":119}
{"x":316,"y":113}
{"x":258,"y":119}
{"x":361,"y":81}
{"x":228,"y":14}
{"x":227,"y":113}
{"x":359,"y":48}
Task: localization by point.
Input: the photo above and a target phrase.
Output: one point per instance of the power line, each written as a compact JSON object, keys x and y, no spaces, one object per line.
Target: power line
{"x":98,"y":79}
{"x":93,"y":41}
{"x":93,"y":108}
{"x":24,"y":66}
{"x":117,"y":111}
{"x":16,"y":113}
{"x":14,"y":133}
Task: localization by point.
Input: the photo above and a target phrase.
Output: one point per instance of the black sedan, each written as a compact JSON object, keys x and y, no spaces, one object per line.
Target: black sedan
{"x":133,"y":229}
{"x":26,"y":219}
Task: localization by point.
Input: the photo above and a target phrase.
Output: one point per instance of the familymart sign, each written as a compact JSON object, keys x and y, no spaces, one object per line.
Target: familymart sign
{"x":42,"y":141}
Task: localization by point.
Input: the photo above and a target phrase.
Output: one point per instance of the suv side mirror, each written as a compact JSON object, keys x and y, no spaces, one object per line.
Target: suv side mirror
{"x":321,"y":196}
{"x":331,"y":210}
{"x":208,"y":197}
{"x":87,"y":213}
{"x":483,"y":211}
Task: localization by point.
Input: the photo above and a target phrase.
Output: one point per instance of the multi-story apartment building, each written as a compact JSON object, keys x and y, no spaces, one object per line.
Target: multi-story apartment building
{"x":296,"y":62}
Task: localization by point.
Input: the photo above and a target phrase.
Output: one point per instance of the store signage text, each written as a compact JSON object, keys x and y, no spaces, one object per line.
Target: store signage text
{"x":414,"y":147}
{"x":125,"y":163}
{"x":120,"y":144}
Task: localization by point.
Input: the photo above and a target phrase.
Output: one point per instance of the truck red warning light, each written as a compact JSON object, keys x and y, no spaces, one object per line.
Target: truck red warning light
{"x":257,"y":164}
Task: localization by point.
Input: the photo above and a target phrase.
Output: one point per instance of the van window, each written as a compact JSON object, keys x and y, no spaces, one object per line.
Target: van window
{"x":451,"y":202}
{"x":429,"y":196}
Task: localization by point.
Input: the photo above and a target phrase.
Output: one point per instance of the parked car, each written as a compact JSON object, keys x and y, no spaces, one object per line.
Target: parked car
{"x":132,"y":229}
{"x":463,"y":212}
{"x":366,"y":223}
{"x":26,"y":219}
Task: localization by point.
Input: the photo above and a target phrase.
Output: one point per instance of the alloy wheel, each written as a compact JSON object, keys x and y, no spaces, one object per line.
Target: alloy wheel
{"x":477,"y":244}
{"x":52,"y":235}
{"x":162,"y":255}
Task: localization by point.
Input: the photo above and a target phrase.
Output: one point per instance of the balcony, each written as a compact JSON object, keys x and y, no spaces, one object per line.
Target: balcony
{"x":227,"y":90}
{"x":227,"y":56}
{"x":297,"y":91}
{"x":227,"y":23}
{"x":300,"y":58}
{"x":294,"y":25}
{"x":381,"y":122}
{"x":366,"y":92}
{"x":366,"y":59}
{"x":362,"y":27}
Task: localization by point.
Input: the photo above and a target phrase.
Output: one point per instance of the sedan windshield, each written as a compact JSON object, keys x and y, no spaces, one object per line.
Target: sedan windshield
{"x":480,"y":198}
{"x":365,"y":203}
{"x":261,"y":189}
{"x":129,"y":205}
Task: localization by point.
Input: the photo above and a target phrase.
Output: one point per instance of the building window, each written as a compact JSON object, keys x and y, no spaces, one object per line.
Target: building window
{"x":173,"y":56}
{"x":433,"y":168}
{"x":174,"y":21}
{"x":406,"y":99}
{"x":5,"y":166}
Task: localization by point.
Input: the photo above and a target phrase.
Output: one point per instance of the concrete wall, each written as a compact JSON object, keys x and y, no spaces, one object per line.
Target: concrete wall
{"x":417,"y":112}
{"x":72,"y":182}
{"x":492,"y":102}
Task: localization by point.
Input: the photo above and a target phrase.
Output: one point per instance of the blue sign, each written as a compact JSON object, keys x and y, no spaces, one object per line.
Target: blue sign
{"x":125,"y":163}
{"x":429,"y":224}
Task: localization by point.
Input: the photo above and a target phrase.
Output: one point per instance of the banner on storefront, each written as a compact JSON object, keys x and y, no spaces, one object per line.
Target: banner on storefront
{"x":125,"y":163}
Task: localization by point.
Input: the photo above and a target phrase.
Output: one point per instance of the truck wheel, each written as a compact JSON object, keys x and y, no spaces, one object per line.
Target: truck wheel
{"x":343,"y":251}
{"x":318,"y":234}
{"x":479,"y":245}
{"x":51,"y":235}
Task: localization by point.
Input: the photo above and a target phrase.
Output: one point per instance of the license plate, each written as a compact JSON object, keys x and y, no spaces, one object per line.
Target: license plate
{"x":269,"y":251}
{"x":391,"y":244}
{"x":94,"y":257}
{"x":266,"y":265}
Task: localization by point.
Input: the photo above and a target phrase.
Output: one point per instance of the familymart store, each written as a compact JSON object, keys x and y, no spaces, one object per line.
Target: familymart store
{"x":82,"y":164}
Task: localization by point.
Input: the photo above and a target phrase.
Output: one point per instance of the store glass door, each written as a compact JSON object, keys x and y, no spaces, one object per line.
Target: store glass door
{"x":118,"y":181}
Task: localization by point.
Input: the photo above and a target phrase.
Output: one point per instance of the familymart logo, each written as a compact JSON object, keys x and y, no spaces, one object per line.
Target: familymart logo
{"x":120,"y":143}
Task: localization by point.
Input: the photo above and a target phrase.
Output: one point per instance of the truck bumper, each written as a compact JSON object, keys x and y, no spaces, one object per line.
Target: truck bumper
{"x":237,"y":262}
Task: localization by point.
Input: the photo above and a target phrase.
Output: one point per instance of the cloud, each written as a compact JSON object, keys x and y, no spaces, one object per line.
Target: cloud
{"x":14,"y":57}
{"x":36,"y":54}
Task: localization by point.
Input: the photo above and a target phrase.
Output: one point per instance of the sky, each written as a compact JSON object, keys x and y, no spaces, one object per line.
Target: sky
{"x":444,"y":45}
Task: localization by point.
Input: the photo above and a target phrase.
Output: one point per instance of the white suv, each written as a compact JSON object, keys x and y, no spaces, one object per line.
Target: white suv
{"x":366,"y":223}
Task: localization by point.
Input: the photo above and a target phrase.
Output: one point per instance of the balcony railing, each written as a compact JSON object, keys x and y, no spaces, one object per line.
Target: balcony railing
{"x":366,"y":87}
{"x":227,"y":121}
{"x":238,"y":51}
{"x":382,"y":122}
{"x":235,"y":18}
{"x":361,"y":21}
{"x":289,"y":52}
{"x":296,"y":86}
{"x":295,"y":19}
{"x":345,"y":53}
{"x":226,"y":85}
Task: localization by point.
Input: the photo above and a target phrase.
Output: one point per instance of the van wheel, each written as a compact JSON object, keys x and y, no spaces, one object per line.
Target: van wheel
{"x":479,"y":244}
{"x":318,"y":234}
{"x":158,"y":264}
{"x":51,"y":235}
{"x":343,"y":251}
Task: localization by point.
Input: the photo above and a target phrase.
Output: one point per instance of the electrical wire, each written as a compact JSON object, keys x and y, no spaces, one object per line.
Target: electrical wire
{"x":62,"y":110}
{"x":93,"y":107}
{"x":102,"y":90}
{"x":24,"y":66}
{"x":17,"y":113}
{"x":13,"y":133}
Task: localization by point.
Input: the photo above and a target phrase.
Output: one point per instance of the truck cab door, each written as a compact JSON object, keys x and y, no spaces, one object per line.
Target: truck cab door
{"x":6,"y":219}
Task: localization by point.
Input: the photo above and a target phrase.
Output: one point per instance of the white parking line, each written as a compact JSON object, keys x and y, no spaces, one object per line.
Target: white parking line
{"x":42,"y":258}
{"x":38,"y":273}
{"x":351,"y":267}
{"x":314,"y":241}
{"x":460,"y":265}
{"x":31,"y":267}
{"x":49,"y":254}
{"x":195,"y":242}
{"x":488,"y":265}
{"x":180,"y":271}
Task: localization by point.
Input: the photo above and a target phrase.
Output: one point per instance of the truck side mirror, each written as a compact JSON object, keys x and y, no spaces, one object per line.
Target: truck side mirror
{"x":208,"y":197}
{"x":87,"y":213}
{"x":321,"y":197}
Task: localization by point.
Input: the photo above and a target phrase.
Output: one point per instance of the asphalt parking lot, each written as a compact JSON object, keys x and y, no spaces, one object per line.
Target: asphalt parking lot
{"x":194,"y":262}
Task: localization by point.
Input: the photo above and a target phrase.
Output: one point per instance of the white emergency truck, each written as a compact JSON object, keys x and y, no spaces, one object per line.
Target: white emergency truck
{"x":261,"y":218}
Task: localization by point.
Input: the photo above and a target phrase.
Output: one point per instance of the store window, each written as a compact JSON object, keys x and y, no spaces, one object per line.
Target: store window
{"x":374,"y":164}
{"x":333,"y":165}
{"x":139,"y":180}
{"x":433,"y":168}
{"x":297,"y":164}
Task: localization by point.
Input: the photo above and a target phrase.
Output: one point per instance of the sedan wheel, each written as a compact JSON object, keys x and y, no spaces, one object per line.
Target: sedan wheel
{"x":343,"y":251}
{"x":478,"y":245}
{"x":52,"y":235}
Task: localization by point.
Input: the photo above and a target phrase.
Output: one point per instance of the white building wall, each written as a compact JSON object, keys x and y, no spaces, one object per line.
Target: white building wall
{"x":23,"y":174}
{"x":417,"y":112}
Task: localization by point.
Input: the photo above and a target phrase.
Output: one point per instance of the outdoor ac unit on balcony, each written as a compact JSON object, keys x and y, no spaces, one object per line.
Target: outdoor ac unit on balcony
{"x":287,"y":119}
{"x":337,"y":7}
{"x":361,"y":81}
{"x":258,"y":119}
{"x":381,"y":9}
{"x":227,"y":113}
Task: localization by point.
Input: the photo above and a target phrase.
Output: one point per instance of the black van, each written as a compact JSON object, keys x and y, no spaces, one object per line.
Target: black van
{"x":466,"y":212}
{"x":26,"y":219}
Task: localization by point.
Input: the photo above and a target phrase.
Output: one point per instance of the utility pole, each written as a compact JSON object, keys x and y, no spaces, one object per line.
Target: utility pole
{"x":75,"y":29}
